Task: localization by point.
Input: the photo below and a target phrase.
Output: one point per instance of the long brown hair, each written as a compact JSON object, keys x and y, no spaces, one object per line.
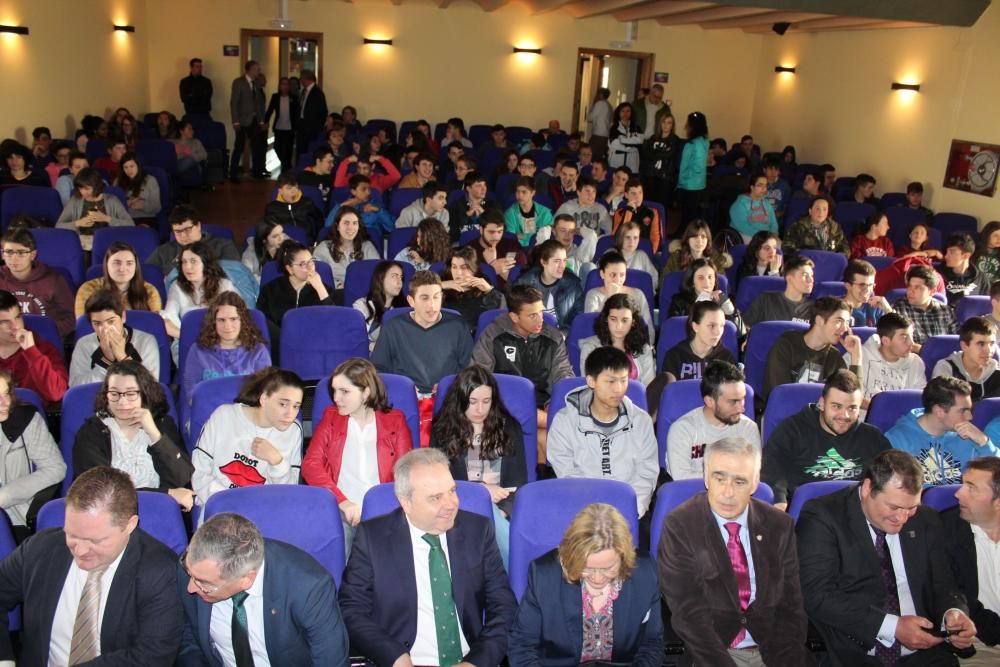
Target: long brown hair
{"x":135,"y":293}
{"x":266,"y":381}
{"x":212,"y":273}
{"x":250,"y":335}
{"x":334,"y":240}
{"x":150,"y":391}
{"x":362,"y":374}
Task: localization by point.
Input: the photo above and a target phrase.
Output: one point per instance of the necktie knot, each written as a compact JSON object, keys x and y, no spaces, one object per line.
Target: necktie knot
{"x":97,"y":573}
{"x":240,"y":598}
{"x":433,"y":540}
{"x":734,"y":529}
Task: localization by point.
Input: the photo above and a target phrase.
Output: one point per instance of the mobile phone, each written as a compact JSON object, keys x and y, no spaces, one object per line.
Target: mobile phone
{"x":940,"y":633}
{"x":512,"y":255}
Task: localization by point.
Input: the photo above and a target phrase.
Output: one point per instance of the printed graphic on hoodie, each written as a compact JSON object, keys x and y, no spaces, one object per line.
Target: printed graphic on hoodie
{"x":242,"y":471}
{"x":940,"y":466}
{"x":832,"y":465}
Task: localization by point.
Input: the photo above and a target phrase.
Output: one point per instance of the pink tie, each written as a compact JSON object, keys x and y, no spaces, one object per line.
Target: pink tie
{"x":738,"y":557}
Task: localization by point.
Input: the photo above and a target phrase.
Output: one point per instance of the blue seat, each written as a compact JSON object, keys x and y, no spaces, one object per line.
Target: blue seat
{"x":24,"y":395}
{"x":672,"y":494}
{"x":634,"y":278}
{"x":759,"y":342}
{"x":850,"y":214}
{"x":375,"y":124}
{"x":358,"y":278}
{"x":400,"y":239}
{"x":807,"y":492}
{"x":581,"y":327}
{"x":679,"y":398}
{"x":220,"y":231}
{"x":402,"y":396}
{"x":310,"y":192}
{"x":829,"y":265}
{"x":405,"y":310}
{"x":673,"y":331}
{"x":141,"y":320}
{"x":117,"y":192}
{"x":297,"y":233}
{"x":985,"y":411}
{"x":942,"y":497}
{"x":306,"y":517}
{"x":7,"y":547}
{"x":381,"y":499}
{"x":636,"y":392}
{"x":45,"y":328}
{"x":904,"y":218}
{"x":400,"y":199}
{"x":892,"y":199}
{"x":952,"y":223}
{"x":798,"y":208}
{"x":206,"y":397}
{"x":273,"y":270}
{"x":843,"y":188}
{"x":191,"y":328}
{"x":543,"y":510}
{"x":753,"y":286}
{"x":158,"y":153}
{"x":39,"y":202}
{"x":159,"y":515}
{"x":880,"y":262}
{"x":607,"y":242}
{"x":828,"y":288}
{"x":518,"y":396}
{"x":486,"y":318}
{"x":143,"y":239}
{"x":936,"y":348}
{"x":151,"y":274}
{"x":61,"y":248}
{"x":786,"y":400}
{"x":888,"y":406}
{"x":971,"y":306}
{"x":77,"y":405}
{"x":312,"y":356}
{"x":98,"y":147}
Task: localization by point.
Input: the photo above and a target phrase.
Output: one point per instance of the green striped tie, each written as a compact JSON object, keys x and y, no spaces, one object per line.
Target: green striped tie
{"x":445,"y":619}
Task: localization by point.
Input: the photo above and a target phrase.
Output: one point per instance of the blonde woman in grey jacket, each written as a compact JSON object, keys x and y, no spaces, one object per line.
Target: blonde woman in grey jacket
{"x":30,"y":461}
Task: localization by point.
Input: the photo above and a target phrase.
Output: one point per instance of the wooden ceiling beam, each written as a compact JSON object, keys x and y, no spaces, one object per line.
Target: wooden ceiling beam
{"x":710,"y":14}
{"x":582,"y":9}
{"x":652,"y":10}
{"x":761,"y":19}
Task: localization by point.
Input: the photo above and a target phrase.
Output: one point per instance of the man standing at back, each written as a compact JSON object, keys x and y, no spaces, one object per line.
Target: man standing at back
{"x":313,"y":110}
{"x":98,"y":591}
{"x":246,"y":104}
{"x":650,"y":110}
{"x":425,"y":584}
{"x":196,"y":90}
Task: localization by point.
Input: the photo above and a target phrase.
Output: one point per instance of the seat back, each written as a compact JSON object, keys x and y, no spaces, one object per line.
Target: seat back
{"x":952,"y":223}
{"x":673,"y":331}
{"x":400,"y":199}
{"x":143,"y":239}
{"x":983,"y":412}
{"x":936,"y":348}
{"x":306,"y":517}
{"x":759,"y":342}
{"x":24,"y":395}
{"x":942,"y":497}
{"x":39,"y":202}
{"x":400,"y":239}
{"x":636,"y":392}
{"x":786,"y":400}
{"x":543,"y":511}
{"x":472,"y":497}
{"x":829,"y":265}
{"x":892,"y":199}
{"x":971,"y":306}
{"x":158,"y":153}
{"x":402,"y":396}
{"x":205,"y":398}
{"x":581,"y":327}
{"x":888,"y":406}
{"x":312,"y":356}
{"x":753,"y":286}
{"x":850,"y":214}
{"x":828,"y":288}
{"x":807,"y":492}
{"x":45,"y":328}
{"x":61,"y":248}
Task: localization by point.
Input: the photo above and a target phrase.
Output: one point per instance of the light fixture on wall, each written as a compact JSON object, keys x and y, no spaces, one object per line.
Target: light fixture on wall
{"x":383,"y":42}
{"x":915,"y":87}
{"x":521,"y":49}
{"x":14,"y":29}
{"x":124,"y":28}
{"x":782,"y":68}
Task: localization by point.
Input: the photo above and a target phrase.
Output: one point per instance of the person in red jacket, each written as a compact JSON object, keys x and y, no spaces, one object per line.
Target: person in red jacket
{"x":34,"y":363}
{"x":357,"y":442}
{"x":39,"y":289}
{"x":365,"y":165}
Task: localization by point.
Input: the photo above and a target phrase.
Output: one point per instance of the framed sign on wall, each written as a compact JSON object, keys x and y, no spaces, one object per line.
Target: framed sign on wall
{"x":972,"y":167}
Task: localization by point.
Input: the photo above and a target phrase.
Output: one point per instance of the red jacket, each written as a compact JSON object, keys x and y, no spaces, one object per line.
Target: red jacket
{"x":380,"y":182}
{"x":39,"y":368}
{"x":321,"y":464}
{"x":43,"y":292}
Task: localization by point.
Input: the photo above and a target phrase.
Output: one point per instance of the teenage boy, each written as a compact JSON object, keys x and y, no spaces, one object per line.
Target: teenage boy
{"x":565,"y":188}
{"x":319,"y":175}
{"x":113,"y":340}
{"x":432,"y":203}
{"x":723,"y":393}
{"x":827,"y":177}
{"x":365,"y":165}
{"x":792,"y":305}
{"x":811,"y":185}
{"x":930,"y":317}
{"x":823,"y":441}
{"x":864,"y":190}
{"x":525,"y":218}
{"x":33,"y":363}
{"x":915,"y":198}
{"x":994,"y":316}
{"x":635,"y":209}
{"x":975,"y":361}
{"x":600,"y":433}
{"x":40,"y":289}
{"x":373,"y":216}
{"x":941,"y":434}
{"x":585,"y":209}
{"x":493,"y":248}
{"x":111,"y":162}
{"x":888,"y":361}
{"x":423,"y":171}
{"x":778,"y":191}
{"x":961,"y":276}
{"x":293,"y":208}
{"x":464,"y":213}
{"x":185,"y":225}
{"x":866,"y":308}
{"x":579,"y":258}
{"x":614,"y":194}
{"x":811,"y":356}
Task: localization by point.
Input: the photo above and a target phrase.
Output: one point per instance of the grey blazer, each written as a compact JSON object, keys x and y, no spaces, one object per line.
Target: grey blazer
{"x":244,"y":105}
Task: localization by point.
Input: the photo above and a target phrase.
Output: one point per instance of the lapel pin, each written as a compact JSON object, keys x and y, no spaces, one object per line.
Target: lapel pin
{"x":274,"y":612}
{"x":912,"y":533}
{"x":760,"y":538}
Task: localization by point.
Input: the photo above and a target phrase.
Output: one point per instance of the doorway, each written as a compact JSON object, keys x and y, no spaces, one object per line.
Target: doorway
{"x":622,"y":72}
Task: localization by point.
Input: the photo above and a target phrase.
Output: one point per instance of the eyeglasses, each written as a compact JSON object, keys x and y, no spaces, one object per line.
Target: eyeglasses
{"x":115,"y":396}
{"x":304,"y":265}
{"x":17,"y":253}
{"x":183,"y":230}
{"x":607,"y":572}
{"x":207,"y":590}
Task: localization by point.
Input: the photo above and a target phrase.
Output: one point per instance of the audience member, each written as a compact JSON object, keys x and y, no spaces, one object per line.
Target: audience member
{"x":565,"y":188}
{"x":687,"y":360}
{"x":624,"y":138}
{"x":585,"y":209}
{"x":941,"y":434}
{"x":465,"y":212}
{"x":761,"y":257}
{"x":915,"y":199}
{"x":32,"y":364}
{"x":199,"y":280}
{"x":112,"y":341}
{"x":961,"y":277}
{"x":792,"y":305}
{"x":693,"y":173}
{"x":319,"y":174}
{"x":659,"y":160}
{"x":701,"y":283}
{"x":389,"y":593}
{"x":365,"y":164}
{"x":812,"y":185}
{"x":384,"y":293}
{"x":122,"y":272}
{"x":987,"y":255}
{"x":376,"y":219}
{"x":196,"y":90}
{"x":186,"y":229}
{"x":430,"y":245}
{"x":61,"y":152}
{"x":600,"y":433}
{"x":744,"y":596}
{"x":263,"y":247}
{"x":859,"y":282}
{"x":627,"y":244}
{"x":432,"y":203}
{"x":871,"y":238}
{"x":635,"y":210}
{"x":620,"y":325}
{"x":140,"y":188}
{"x":300,"y":285}
{"x":423,"y":172}
{"x":65,"y":577}
{"x":994,"y":315}
{"x":246,"y":107}
{"x":827,"y":177}
{"x":346,"y":242}
{"x":231,"y":568}
{"x":293,"y":209}
{"x":191,"y":153}
{"x":593,"y":582}
{"x":975,"y":361}
{"x":613,"y":271}
{"x":695,"y":243}
{"x":816,"y":231}
{"x":526,"y":217}
{"x":64,"y":184}
{"x":357,"y":442}
{"x":864,"y":190}
{"x":919,"y":245}
{"x":39,"y":289}
{"x":778,"y":191}
{"x":930,"y":317}
{"x":579,"y":258}
{"x":466,"y":290}
{"x":752,"y":212}
{"x":89,"y":208}
{"x":562,"y":292}
{"x":873,"y":597}
{"x":723,"y":393}
{"x":493,"y":248}
{"x":887,"y":360}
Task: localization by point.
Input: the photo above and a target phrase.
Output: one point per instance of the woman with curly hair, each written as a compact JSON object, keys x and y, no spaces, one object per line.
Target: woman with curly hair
{"x":385,"y":292}
{"x":130,"y":430}
{"x":620,"y":325}
{"x":229,"y":343}
{"x":346,"y":242}
{"x":761,"y":257}
{"x":358,"y":441}
{"x":430,"y":245}
{"x":200,"y":279}
{"x":122,"y":273}
{"x":483,"y":443}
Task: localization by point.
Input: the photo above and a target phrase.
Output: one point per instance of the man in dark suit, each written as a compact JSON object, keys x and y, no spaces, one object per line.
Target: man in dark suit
{"x":196,"y":90}
{"x":425,"y":584}
{"x":728,"y":569}
{"x":246,"y":104}
{"x":97,"y":591}
{"x":255,"y":602}
{"x":972,"y":532}
{"x":875,"y":572}
{"x":312,"y":110}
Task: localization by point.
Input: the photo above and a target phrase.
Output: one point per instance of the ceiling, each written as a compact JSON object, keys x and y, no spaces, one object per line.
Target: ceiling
{"x":759,"y":16}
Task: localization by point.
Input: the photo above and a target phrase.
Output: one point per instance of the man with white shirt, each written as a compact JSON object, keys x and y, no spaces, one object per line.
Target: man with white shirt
{"x":444,"y":600}
{"x":98,"y":591}
{"x":875,"y":576}
{"x":251,"y":602}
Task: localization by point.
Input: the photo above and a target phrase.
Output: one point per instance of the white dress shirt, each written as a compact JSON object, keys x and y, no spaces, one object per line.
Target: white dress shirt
{"x":988,"y":565}
{"x":425,"y":649}
{"x":69,"y":602}
{"x":220,"y":627}
{"x":359,"y":462}
{"x":745,"y":540}
{"x":887,"y":632}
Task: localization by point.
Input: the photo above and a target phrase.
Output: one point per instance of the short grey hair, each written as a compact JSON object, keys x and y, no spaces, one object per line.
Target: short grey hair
{"x":418,"y":458}
{"x":736,"y":447}
{"x":230,"y":540}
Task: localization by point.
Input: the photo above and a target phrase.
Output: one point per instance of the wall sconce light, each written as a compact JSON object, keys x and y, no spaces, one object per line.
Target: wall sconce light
{"x":14,"y":29}
{"x":518,"y":49}
{"x":383,"y":42}
{"x":915,"y":87}
{"x":125,"y":28}
{"x":781,"y":68}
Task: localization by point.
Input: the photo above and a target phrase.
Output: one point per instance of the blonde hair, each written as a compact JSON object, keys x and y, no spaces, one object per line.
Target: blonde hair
{"x":597,"y":527}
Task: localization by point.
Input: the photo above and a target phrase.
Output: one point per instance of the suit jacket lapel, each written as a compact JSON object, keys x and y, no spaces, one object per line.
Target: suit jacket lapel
{"x":275,"y":610}
{"x":457,"y":552}
{"x":398,"y":537}
{"x":862,"y":534}
{"x":571,"y":599}
{"x":720,"y":555}
{"x":626,"y":625}
{"x":911,"y":543}
{"x":50,"y":593}
{"x":759,"y":549}
{"x":118,"y":594}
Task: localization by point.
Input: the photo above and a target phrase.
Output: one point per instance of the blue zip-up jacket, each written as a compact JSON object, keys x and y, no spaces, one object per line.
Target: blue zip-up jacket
{"x":943,"y":457}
